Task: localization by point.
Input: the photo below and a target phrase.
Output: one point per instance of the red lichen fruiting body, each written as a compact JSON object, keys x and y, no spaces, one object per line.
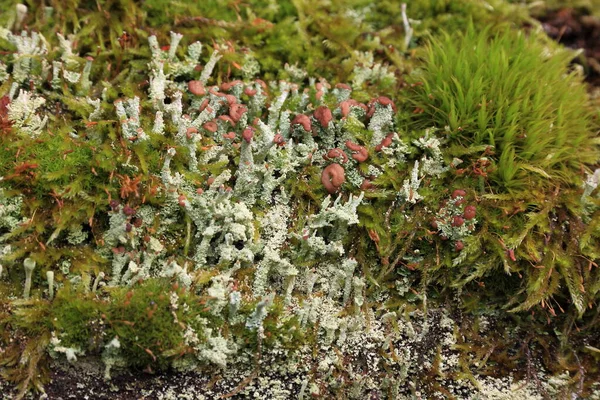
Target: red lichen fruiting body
{"x":332,"y":177}
{"x":359,"y":153}
{"x":323,"y":115}
{"x":210,"y":126}
{"x":303,"y":120}
{"x":336,"y":153}
{"x":248,"y":134}
{"x":236,"y":111}
{"x":346,"y":105}
{"x":386,"y":142}
{"x":458,"y":193}
{"x":470,"y":212}
{"x":197,"y":88}
{"x":279,"y":140}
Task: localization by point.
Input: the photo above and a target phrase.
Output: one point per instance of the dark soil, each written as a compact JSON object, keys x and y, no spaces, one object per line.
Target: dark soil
{"x":574,"y":29}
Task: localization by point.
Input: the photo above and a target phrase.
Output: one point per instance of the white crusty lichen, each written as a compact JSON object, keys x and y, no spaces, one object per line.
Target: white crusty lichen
{"x":128,"y":112}
{"x":274,"y":234}
{"x":367,"y":70}
{"x":10,"y":210}
{"x":69,"y":352}
{"x":225,"y":223}
{"x":22,"y":112}
{"x":112,"y":357}
{"x":410,"y":186}
{"x":29,"y":47}
{"x":434,"y":165}
{"x":591,"y":183}
{"x":325,"y":230}
{"x":3,"y":72}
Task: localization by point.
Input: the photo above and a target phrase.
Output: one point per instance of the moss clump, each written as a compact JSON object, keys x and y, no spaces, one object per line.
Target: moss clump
{"x":515,"y":94}
{"x":77,"y":319}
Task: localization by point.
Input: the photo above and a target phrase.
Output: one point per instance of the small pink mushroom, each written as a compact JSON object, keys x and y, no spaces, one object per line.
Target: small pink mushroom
{"x":323,"y":115}
{"x":197,"y":88}
{"x":332,"y":177}
{"x":229,"y":135}
{"x":303,"y":120}
{"x":386,"y":142}
{"x":336,"y":153}
{"x":359,"y":153}
{"x":248,"y":134}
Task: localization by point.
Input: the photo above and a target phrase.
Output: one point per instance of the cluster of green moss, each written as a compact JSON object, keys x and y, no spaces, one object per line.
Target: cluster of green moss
{"x":477,"y":191}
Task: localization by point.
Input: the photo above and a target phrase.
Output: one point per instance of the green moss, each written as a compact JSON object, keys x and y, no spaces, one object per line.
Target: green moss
{"x":515,"y":94}
{"x":77,"y":318}
{"x":142,"y":319}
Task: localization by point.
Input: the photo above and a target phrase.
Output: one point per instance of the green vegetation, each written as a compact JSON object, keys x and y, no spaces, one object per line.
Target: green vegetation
{"x":337,"y":184}
{"x":514,"y":94}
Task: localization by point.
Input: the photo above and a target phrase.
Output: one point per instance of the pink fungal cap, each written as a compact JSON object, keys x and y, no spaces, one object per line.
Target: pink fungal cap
{"x":210,"y":126}
{"x":386,"y":142}
{"x":248,"y":134}
{"x":332,"y":177}
{"x":303,"y":120}
{"x":196,"y":88}
{"x":323,"y":115}
{"x":359,"y":153}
